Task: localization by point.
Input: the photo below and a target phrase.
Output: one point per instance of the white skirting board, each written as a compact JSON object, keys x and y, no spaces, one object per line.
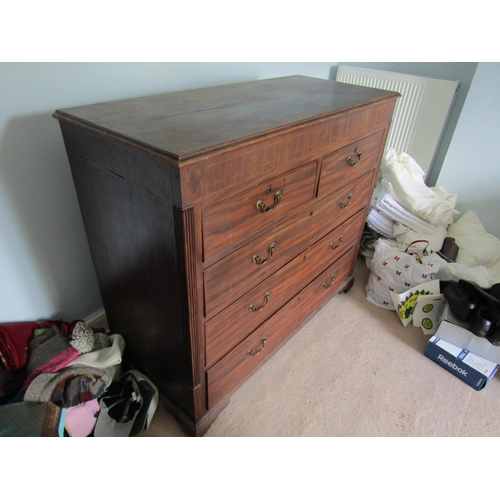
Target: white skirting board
{"x":98,"y":319}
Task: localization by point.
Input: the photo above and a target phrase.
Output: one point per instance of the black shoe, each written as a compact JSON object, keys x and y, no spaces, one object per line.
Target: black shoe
{"x":474,"y":305}
{"x":495,"y":291}
{"x":484,"y":296}
{"x":463,"y":302}
{"x":487,"y":316}
{"x":485,"y":319}
{"x":494,"y":336}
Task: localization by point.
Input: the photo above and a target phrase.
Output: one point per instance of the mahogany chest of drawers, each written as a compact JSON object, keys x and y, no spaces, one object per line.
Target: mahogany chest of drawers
{"x":219,"y":220}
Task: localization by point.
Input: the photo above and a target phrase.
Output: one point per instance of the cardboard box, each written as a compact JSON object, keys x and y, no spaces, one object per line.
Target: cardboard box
{"x":470,"y":368}
{"x":456,"y":332}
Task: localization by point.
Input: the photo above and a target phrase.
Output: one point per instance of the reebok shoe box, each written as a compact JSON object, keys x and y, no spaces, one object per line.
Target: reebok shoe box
{"x":456,"y":332}
{"x":472,"y":369}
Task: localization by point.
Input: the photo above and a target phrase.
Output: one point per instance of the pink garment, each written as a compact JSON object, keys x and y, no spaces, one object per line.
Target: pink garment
{"x":80,"y":420}
{"x":54,"y":365}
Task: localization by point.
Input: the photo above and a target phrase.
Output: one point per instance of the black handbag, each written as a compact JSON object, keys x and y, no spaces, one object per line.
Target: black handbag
{"x":449,"y":250}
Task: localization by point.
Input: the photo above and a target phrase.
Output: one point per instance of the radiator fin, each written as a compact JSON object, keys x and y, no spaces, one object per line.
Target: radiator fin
{"x":420,"y":114}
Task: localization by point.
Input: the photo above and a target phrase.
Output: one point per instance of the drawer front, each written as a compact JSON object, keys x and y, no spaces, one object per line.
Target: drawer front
{"x":233,"y":324}
{"x":260,"y":258}
{"x":238,"y":364}
{"x":256,"y":209}
{"x":348,"y":163}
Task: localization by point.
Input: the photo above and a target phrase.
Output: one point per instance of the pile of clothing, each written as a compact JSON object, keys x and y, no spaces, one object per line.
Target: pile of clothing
{"x":404,"y":209}
{"x":409,"y":216}
{"x":55,"y":376}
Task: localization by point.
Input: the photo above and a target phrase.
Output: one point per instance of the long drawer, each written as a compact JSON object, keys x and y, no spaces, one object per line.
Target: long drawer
{"x":349,"y":162}
{"x":233,"y":324}
{"x":260,"y":258}
{"x":232,"y":369}
{"x":256,"y":209}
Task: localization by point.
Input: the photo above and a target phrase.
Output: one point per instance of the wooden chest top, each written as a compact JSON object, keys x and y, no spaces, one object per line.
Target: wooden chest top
{"x":184,"y":124}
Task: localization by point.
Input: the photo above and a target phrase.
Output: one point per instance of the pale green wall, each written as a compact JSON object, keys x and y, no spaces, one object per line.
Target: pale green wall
{"x":471,"y":167}
{"x":45,"y":265}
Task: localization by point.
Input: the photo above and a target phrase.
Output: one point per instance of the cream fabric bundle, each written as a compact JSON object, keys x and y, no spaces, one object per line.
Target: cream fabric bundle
{"x":103,"y":358}
{"x":403,"y":179}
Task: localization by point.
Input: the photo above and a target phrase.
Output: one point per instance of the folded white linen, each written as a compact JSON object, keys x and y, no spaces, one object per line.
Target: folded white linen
{"x":380,"y":223}
{"x":388,"y":206}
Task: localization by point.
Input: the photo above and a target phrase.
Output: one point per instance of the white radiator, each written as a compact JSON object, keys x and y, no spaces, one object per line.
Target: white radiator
{"x":420,"y":114}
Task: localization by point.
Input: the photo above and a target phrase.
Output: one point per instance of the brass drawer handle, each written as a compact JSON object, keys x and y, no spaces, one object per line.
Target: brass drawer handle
{"x":258,"y":260}
{"x":333,"y":246}
{"x":345,"y":205}
{"x":262,"y":206}
{"x":328,"y":284}
{"x":258,"y":309}
{"x":263,"y":343}
{"x":352,"y":162}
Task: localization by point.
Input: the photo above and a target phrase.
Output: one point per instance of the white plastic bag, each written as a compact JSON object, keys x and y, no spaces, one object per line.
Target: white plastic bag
{"x":395,"y":270}
{"x":453,"y":271}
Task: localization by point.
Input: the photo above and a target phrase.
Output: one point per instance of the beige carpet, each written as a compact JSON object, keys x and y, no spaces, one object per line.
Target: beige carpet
{"x":353,"y":370}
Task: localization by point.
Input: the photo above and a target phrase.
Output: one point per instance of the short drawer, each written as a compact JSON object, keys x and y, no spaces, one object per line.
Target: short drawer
{"x":243,"y":359}
{"x":348,"y":163}
{"x":232,"y":325}
{"x":237,"y":218}
{"x":260,"y":258}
